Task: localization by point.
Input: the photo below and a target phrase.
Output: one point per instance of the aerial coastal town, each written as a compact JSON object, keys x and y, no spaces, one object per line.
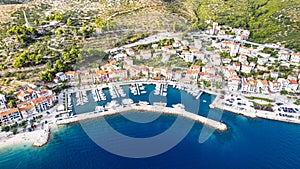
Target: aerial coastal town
{"x":255,"y":80}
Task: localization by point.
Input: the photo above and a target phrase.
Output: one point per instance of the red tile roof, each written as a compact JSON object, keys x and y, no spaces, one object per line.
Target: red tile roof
{"x":10,"y":111}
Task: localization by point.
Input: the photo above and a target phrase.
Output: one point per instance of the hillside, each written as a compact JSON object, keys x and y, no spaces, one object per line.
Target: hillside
{"x":268,"y":20}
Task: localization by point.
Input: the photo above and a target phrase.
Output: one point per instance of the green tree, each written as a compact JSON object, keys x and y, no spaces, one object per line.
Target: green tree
{"x":69,"y":22}
{"x":59,"y":66}
{"x":49,"y":65}
{"x":38,"y":59}
{"x":11,"y":103}
{"x":15,"y":131}
{"x":59,"y":32}
{"x":58,"y":17}
{"x":47,"y":76}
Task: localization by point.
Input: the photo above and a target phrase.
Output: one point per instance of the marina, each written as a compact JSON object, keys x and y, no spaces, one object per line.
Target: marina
{"x":115,"y":108}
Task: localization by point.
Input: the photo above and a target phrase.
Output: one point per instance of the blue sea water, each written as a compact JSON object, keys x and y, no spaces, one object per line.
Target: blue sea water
{"x":248,"y":143}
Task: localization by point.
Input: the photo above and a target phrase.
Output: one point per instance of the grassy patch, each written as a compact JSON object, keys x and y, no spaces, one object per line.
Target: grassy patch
{"x":260,"y":98}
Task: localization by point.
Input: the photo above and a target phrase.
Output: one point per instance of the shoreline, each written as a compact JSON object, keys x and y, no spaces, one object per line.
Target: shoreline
{"x":218,"y":104}
{"x":39,"y":138}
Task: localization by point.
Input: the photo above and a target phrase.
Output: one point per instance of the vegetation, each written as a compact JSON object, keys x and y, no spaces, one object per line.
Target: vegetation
{"x":260,"y":98}
{"x":262,"y":105}
{"x":5,"y":128}
{"x":268,"y":20}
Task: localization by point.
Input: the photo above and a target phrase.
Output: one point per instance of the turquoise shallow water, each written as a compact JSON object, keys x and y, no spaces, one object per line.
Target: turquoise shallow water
{"x":248,"y":143}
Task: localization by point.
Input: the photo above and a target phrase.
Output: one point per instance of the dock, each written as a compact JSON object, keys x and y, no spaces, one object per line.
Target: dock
{"x":147,"y":108}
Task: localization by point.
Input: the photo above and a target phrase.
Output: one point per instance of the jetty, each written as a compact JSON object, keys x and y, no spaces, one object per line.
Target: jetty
{"x":147,"y":108}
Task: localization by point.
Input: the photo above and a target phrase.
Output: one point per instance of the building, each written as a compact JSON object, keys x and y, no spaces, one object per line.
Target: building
{"x":10,"y":116}
{"x":295,"y":57}
{"x":274,"y":86}
{"x":40,"y":104}
{"x":146,"y":54}
{"x":233,"y":83}
{"x":262,"y":86}
{"x":177,"y":75}
{"x":293,"y":85}
{"x":246,"y":68}
{"x":60,"y":76}
{"x":192,"y":74}
{"x":283,"y":55}
{"x":2,"y":101}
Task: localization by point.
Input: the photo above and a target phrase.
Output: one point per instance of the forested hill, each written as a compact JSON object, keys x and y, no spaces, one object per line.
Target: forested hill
{"x":268,"y":20}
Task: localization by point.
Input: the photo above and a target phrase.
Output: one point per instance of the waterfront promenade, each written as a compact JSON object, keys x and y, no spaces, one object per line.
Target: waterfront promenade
{"x":251,"y":112}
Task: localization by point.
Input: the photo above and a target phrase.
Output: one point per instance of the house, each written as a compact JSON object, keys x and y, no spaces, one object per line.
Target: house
{"x":127,"y":63}
{"x":45,"y":93}
{"x":283,"y":55}
{"x":233,"y":83}
{"x":134,"y":71}
{"x":176,"y":44}
{"x":100,"y":75}
{"x":2,"y":101}
{"x":252,"y":87}
{"x":266,"y":76}
{"x":262,"y":61}
{"x":70,"y":75}
{"x":169,"y":74}
{"x":166,"y":48}
{"x":107,"y":67}
{"x":87,"y":79}
{"x":234,"y":49}
{"x":130,"y":52}
{"x":26,"y":94}
{"x":236,"y":66}
{"x":228,"y":73}
{"x":283,"y":83}
{"x":27,"y":110}
{"x":123,"y":74}
{"x":246,"y":68}
{"x":293,"y":85}
{"x":177,"y":75}
{"x":243,"y":58}
{"x":195,"y":67}
{"x":204,"y":76}
{"x":274,"y":86}
{"x":165,"y":57}
{"x":185,"y":43}
{"x":197,"y":43}
{"x":261,"y":68}
{"x":192,"y":74}
{"x":60,"y":76}
{"x":199,"y":55}
{"x":295,"y":57}
{"x":145,"y":71}
{"x":244,"y":86}
{"x":40,"y":104}
{"x":10,"y":116}
{"x":51,"y":100}
{"x":146,"y":54}
{"x":120,"y":56}
{"x":263,"y":86}
{"x":187,"y":56}
{"x":274,"y":75}
{"x":245,"y":50}
{"x":249,"y":85}
{"x":227,"y":44}
{"x":273,"y":59}
{"x":209,"y":69}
